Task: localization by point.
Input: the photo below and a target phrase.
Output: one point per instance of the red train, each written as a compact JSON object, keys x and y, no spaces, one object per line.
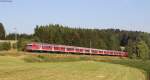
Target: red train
{"x":72,"y":49}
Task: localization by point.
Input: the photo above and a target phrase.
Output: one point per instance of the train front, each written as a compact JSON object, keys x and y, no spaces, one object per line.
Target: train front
{"x":33,"y":47}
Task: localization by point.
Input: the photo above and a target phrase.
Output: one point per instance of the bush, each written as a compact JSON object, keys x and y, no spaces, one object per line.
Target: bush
{"x":5,"y":46}
{"x":32,"y":59}
{"x":53,"y":58}
{"x":21,"y":44}
{"x":2,"y":54}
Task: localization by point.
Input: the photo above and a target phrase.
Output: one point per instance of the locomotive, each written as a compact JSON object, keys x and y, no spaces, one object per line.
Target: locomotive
{"x":72,"y":49}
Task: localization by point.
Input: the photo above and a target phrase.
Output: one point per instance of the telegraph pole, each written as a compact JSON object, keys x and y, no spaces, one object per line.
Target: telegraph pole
{"x":15,"y":29}
{"x":90,"y":47}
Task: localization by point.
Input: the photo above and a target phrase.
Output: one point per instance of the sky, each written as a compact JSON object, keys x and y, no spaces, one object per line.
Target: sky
{"x":24,"y":15}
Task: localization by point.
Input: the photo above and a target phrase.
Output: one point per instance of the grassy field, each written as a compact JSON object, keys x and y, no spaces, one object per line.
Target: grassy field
{"x":15,"y":68}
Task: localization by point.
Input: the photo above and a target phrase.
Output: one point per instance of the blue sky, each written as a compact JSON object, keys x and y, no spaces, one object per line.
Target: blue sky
{"x":122,"y":14}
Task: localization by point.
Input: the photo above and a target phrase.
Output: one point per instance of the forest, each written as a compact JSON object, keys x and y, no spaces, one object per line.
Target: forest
{"x":136,"y":43}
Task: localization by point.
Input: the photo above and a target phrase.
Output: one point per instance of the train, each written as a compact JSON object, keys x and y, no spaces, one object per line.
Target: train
{"x":44,"y":47}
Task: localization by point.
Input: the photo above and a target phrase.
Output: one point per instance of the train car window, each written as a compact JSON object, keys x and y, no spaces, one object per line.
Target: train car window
{"x":81,"y":50}
{"x":29,"y":46}
{"x":94,"y":51}
{"x":70,"y":49}
{"x":87,"y":50}
{"x":77,"y":50}
{"x":100,"y":51}
{"x":105,"y":52}
{"x":62,"y":48}
{"x":111,"y":52}
{"x":56,"y":48}
{"x":45,"y":46}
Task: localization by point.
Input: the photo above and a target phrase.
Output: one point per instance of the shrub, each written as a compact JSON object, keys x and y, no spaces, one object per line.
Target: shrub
{"x":2,"y":54}
{"x":21,"y":44}
{"x":53,"y":58}
{"x":5,"y":46}
{"x":32,"y":59}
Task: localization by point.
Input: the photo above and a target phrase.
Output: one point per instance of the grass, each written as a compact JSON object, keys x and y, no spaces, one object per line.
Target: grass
{"x":140,"y":64}
{"x":42,"y":57}
{"x":15,"y":68}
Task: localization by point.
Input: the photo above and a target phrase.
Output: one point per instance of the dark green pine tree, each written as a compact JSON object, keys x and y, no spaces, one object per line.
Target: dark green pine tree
{"x":131,"y":48}
{"x":2,"y":32}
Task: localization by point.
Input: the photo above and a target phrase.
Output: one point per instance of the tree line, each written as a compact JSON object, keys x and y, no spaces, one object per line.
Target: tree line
{"x":136,"y":43}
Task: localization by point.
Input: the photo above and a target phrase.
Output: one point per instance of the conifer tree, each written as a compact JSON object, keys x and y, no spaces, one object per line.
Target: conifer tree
{"x":2,"y":32}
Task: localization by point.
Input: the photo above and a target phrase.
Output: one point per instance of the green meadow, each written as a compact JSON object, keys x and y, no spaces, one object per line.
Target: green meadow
{"x":17,"y":68}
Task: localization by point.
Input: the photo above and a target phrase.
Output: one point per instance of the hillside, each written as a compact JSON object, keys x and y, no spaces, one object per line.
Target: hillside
{"x":14,"y":68}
